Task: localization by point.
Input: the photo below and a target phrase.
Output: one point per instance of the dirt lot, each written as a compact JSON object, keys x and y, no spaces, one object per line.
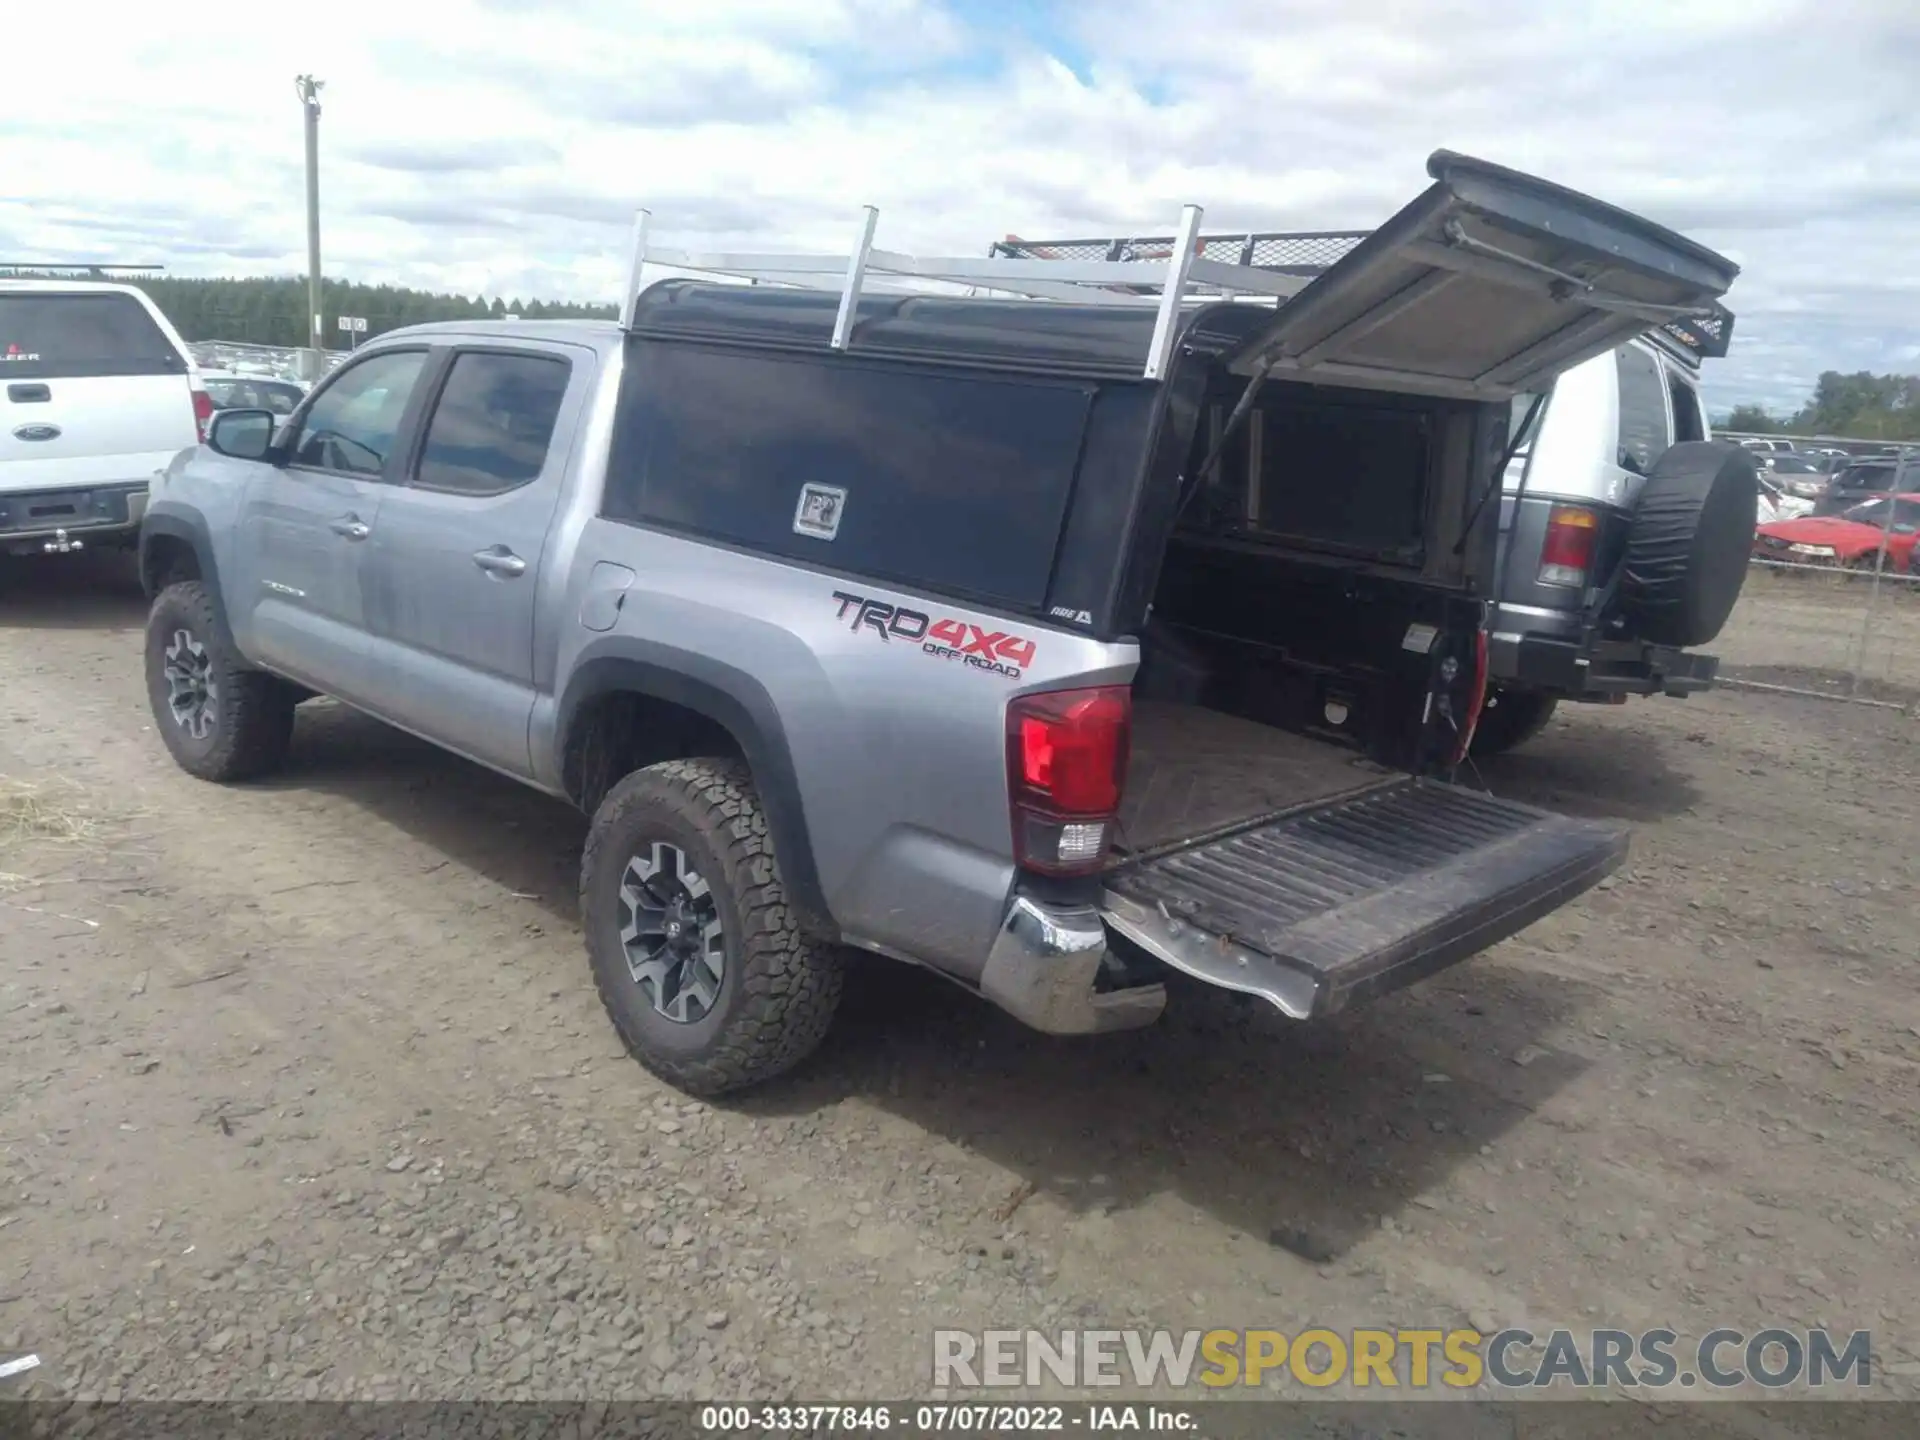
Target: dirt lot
{"x":305,"y":1091}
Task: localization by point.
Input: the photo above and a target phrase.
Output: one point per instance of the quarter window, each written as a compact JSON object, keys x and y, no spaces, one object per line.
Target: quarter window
{"x":1644,"y":436}
{"x":353,"y":422}
{"x":493,"y":423}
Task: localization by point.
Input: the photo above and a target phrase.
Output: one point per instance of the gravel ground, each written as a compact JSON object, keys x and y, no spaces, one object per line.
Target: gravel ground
{"x":304,"y":1090}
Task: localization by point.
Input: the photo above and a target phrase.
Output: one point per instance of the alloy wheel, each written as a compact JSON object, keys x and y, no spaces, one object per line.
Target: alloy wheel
{"x":671,"y":932}
{"x":193,"y":695}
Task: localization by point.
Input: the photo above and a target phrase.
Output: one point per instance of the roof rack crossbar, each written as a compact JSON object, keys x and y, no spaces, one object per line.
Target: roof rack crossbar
{"x":1166,"y":281}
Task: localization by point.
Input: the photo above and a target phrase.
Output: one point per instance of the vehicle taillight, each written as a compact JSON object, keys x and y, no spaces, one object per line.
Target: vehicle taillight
{"x":1476,"y":699}
{"x":202,"y":413}
{"x":1567,"y":554}
{"x":1066,"y":765}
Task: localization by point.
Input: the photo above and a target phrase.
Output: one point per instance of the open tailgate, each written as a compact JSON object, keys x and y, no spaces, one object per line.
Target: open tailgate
{"x":1340,"y":901}
{"x":1491,"y":282}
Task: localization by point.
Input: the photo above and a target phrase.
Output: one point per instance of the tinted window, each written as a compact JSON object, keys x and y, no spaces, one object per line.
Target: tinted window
{"x":1866,"y":477}
{"x":249,"y":394}
{"x":956,"y":483}
{"x":67,"y":336}
{"x":280,"y":399}
{"x":492,"y":423}
{"x":1874,"y":512}
{"x":1793,"y":465}
{"x":353,"y":422}
{"x":1688,"y":422}
{"x":1643,"y":410}
{"x":1350,"y":476}
{"x":228,"y":394}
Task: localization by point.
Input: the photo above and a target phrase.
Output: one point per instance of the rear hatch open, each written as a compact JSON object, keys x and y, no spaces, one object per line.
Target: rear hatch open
{"x":1339,"y":900}
{"x":1490,"y":283}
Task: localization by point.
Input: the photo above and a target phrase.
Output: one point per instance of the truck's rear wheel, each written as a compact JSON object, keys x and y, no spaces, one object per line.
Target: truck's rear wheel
{"x":1509,"y":719}
{"x":696,"y":954}
{"x":219,"y":718}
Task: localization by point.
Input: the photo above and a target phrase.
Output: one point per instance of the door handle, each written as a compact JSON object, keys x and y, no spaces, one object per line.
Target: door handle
{"x":350,"y":526}
{"x":499,"y":560}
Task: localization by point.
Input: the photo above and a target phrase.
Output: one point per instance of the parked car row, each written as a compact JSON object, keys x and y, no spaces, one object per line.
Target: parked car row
{"x":1856,"y":539}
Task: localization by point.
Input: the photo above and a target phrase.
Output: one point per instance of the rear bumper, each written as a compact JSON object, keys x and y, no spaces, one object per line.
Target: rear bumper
{"x":33,"y":520}
{"x":1341,"y":902}
{"x":1045,"y":966}
{"x":1574,"y":665}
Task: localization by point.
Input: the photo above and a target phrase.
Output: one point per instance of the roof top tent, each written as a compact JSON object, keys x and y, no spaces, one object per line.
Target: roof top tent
{"x":1307,"y":590}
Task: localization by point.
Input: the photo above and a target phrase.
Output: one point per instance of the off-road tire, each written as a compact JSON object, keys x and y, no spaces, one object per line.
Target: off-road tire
{"x":778,"y":990}
{"x":1690,"y":544}
{"x":1509,"y":719}
{"x":253,"y":713}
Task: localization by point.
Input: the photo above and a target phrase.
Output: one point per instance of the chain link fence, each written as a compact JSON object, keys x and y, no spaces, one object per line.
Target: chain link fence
{"x":1831,"y":603}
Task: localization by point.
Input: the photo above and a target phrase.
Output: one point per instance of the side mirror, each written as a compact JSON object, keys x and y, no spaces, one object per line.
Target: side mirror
{"x":242,"y":434}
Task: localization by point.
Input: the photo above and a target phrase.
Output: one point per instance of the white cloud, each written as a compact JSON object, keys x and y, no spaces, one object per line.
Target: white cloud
{"x":498,"y":145}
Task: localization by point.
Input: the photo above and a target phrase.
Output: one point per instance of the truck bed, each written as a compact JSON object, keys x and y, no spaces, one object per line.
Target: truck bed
{"x":1198,"y":772}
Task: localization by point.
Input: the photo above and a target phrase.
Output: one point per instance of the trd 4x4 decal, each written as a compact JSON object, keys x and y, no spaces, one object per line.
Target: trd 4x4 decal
{"x":961,"y":640}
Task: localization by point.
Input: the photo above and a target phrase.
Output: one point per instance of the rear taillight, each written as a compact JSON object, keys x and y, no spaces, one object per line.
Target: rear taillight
{"x":1567,"y":554}
{"x":1066,"y":765}
{"x":202,"y":413}
{"x":1476,"y":701}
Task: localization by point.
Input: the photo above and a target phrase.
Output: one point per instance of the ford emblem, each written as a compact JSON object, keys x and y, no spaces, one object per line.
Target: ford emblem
{"x":36,"y":432}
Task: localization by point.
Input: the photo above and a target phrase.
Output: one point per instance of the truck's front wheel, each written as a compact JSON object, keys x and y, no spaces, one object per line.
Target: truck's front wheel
{"x":219,"y":718}
{"x":696,"y":954}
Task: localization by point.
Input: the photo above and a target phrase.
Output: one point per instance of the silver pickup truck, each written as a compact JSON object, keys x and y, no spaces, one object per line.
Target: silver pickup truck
{"x":987,"y":634}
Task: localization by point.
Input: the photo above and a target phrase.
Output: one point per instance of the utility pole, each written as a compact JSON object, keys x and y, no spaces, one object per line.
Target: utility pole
{"x":308,"y":89}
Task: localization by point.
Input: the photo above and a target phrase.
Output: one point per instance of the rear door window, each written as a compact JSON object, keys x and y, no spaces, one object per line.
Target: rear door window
{"x":1644,"y":436}
{"x":493,"y":422}
{"x":66,"y":336}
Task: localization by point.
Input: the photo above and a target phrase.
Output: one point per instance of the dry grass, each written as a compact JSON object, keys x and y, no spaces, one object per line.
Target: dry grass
{"x":47,"y":811}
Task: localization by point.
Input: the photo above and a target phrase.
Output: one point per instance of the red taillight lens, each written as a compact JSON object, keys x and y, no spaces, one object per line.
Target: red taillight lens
{"x":1567,"y":553}
{"x":202,"y":413}
{"x":1066,"y":765}
{"x":1477,"y":700}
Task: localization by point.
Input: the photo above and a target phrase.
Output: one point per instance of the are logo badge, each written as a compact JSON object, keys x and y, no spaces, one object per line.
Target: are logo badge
{"x":818,"y":513}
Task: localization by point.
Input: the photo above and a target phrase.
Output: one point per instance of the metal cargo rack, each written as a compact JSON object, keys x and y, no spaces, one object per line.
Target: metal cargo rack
{"x":1163,"y":274}
{"x":1161,"y":271}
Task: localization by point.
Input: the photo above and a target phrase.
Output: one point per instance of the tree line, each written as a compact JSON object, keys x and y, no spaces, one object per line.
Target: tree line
{"x":273,"y":311}
{"x":1862,"y":405}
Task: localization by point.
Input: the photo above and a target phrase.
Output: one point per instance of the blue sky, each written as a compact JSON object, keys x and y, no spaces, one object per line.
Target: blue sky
{"x":499,"y":145}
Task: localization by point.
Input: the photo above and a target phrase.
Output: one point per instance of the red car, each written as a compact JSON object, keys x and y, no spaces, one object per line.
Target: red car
{"x":1853,"y":538}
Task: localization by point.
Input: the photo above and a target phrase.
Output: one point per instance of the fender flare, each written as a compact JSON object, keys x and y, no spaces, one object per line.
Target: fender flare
{"x":731,"y":698}
{"x":183,"y":522}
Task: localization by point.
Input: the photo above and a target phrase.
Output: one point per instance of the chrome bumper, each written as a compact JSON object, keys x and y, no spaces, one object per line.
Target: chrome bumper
{"x":84,"y":513}
{"x":1042,"y":970}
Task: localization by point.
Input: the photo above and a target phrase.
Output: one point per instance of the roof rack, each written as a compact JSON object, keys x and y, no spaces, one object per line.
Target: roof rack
{"x":1705,"y":336}
{"x":1162,"y":271}
{"x":1161,"y":274}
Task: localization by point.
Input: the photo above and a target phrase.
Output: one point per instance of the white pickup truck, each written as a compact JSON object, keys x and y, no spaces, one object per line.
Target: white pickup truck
{"x":97,"y":392}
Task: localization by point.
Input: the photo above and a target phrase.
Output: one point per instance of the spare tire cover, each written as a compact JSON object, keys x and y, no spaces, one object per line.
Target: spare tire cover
{"x":1687,"y":549}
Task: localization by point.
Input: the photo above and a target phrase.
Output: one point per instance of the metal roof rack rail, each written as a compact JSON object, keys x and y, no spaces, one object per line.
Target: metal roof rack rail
{"x":1181,"y":271}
